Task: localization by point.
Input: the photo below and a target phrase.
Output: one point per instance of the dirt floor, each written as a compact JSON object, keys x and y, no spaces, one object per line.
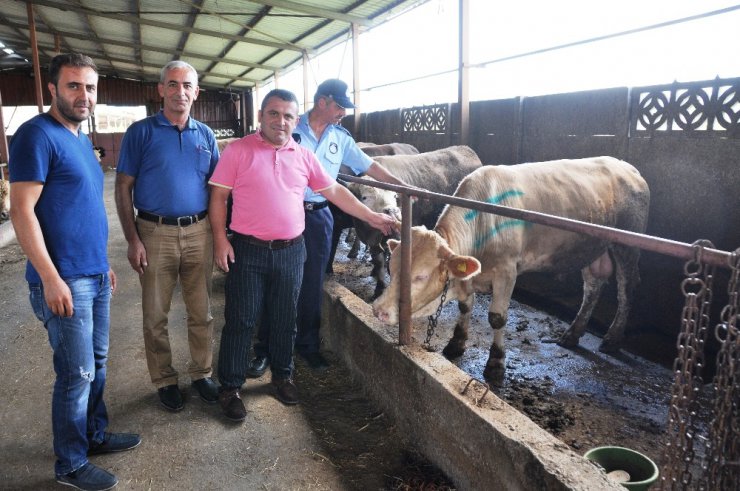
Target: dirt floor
{"x":584,"y":397}
{"x":335,"y":439}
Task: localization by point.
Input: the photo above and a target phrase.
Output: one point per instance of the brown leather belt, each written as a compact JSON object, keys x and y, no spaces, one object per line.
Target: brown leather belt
{"x":179,"y":221}
{"x":268,"y":244}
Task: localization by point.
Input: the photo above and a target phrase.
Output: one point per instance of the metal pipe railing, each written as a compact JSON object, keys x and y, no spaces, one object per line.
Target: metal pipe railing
{"x":682,"y":250}
{"x":668,"y":247}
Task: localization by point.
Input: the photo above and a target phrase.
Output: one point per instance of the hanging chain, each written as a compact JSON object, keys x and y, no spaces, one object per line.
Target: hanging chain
{"x":722,"y":470}
{"x":687,"y":367}
{"x":434,"y":318}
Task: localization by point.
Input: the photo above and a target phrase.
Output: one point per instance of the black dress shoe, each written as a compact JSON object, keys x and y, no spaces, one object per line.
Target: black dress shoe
{"x":232,"y":405}
{"x":207,"y":390}
{"x":287,"y":392}
{"x":315,"y":361}
{"x":258,"y":366}
{"x":170,"y":397}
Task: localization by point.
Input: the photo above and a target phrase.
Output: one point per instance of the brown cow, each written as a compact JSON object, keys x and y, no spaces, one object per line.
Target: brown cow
{"x":342,"y":220}
{"x":439,"y":171}
{"x":373,"y":150}
{"x":476,"y":251}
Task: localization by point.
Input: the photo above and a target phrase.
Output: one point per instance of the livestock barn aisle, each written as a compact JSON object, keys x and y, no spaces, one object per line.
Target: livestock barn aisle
{"x":194,"y":449}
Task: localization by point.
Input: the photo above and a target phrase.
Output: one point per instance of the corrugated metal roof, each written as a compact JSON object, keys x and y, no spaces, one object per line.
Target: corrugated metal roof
{"x":232,"y":44}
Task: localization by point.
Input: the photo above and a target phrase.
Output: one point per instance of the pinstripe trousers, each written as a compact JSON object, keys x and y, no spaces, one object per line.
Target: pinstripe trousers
{"x":262,"y":285}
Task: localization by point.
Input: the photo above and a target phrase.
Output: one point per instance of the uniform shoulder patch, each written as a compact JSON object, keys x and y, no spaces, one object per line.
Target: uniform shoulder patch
{"x":343,"y":129}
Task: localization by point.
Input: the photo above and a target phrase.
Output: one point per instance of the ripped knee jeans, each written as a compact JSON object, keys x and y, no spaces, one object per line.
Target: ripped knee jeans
{"x":80,"y":347}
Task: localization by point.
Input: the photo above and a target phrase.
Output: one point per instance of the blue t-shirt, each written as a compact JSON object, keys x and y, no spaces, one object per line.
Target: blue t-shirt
{"x":336,"y":147}
{"x":171,"y":167}
{"x":70,"y":210}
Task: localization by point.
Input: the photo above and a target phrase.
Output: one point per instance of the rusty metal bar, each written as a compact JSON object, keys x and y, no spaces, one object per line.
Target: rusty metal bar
{"x":668,"y":247}
{"x":4,"y":155}
{"x":404,"y":304}
{"x":35,"y":54}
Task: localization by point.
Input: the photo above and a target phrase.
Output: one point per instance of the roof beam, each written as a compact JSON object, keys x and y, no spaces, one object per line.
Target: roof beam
{"x":155,"y":65}
{"x":136,"y":32}
{"x":165,"y":25}
{"x":95,"y":38}
{"x":317,"y":11}
{"x":321,"y":25}
{"x":157,"y":49}
{"x":194,"y":9}
{"x":252,"y":23}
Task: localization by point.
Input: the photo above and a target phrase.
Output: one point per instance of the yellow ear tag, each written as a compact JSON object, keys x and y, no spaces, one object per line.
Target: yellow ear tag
{"x":462,"y":267}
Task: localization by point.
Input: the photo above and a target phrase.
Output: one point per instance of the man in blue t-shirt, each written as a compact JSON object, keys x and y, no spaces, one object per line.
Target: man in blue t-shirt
{"x":163,"y":171}
{"x":59,"y":219}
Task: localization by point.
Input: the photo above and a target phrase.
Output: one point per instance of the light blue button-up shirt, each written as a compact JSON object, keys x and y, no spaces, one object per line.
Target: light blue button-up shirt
{"x":335,"y":148}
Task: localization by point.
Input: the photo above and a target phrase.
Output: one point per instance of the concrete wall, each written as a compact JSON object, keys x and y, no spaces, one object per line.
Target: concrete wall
{"x":479,"y":446}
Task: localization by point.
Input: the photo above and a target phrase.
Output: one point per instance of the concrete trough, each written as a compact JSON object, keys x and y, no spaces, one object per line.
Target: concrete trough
{"x":475,"y":438}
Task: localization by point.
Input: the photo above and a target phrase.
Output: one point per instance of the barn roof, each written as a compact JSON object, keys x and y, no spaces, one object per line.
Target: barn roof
{"x":232,"y":43}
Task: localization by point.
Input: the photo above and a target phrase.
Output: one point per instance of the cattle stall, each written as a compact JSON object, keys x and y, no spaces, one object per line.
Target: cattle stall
{"x":684,"y":138}
{"x":719,"y":453}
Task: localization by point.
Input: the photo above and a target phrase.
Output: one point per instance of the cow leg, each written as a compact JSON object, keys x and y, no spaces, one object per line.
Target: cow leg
{"x":628,"y":276}
{"x":377,"y":257}
{"x":592,"y":287}
{"x":456,"y":345}
{"x":335,"y":235}
{"x":504,"y":279}
{"x":356,"y":242}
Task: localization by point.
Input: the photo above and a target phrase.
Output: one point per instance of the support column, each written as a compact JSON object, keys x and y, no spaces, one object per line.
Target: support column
{"x":463,"y":73}
{"x":35,"y":55}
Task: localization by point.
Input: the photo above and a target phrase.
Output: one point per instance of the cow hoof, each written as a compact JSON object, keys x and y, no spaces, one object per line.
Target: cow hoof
{"x":569,"y":342}
{"x":494,"y":374}
{"x":609,"y":347}
{"x":453,"y":350}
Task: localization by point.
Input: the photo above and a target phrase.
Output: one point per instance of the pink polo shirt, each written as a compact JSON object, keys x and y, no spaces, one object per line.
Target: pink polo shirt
{"x":267,"y":186}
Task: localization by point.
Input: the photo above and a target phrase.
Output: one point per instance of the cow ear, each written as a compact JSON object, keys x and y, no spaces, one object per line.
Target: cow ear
{"x":463,"y":267}
{"x":393,"y":243}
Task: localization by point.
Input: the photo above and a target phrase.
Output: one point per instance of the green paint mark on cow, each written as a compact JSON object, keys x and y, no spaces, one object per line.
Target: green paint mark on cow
{"x":480,"y":242}
{"x":495,"y":200}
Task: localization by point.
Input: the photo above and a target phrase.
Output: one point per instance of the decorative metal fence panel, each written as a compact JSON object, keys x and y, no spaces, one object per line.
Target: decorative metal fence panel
{"x":710,"y":108}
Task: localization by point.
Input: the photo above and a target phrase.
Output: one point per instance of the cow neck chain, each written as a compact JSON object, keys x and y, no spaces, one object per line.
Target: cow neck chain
{"x":434,"y":318}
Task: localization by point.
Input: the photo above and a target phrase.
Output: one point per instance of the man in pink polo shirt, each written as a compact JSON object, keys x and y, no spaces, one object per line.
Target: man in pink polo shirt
{"x":266,"y":174}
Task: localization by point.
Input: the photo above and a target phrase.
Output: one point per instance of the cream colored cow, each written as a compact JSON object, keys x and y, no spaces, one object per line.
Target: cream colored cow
{"x":484,"y":252}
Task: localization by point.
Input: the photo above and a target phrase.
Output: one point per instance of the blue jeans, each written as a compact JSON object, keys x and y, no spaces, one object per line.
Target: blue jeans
{"x":80,"y":345}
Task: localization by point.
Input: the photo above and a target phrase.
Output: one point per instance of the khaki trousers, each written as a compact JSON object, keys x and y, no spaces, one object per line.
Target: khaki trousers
{"x":177,"y":252}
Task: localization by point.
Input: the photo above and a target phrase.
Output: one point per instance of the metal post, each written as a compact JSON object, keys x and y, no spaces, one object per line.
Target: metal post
{"x":35,"y":53}
{"x":4,"y":156}
{"x":356,"y":76}
{"x":463,"y":98}
{"x":404,"y":303}
{"x":306,"y":96}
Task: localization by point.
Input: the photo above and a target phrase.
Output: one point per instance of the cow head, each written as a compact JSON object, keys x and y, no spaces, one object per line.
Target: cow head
{"x":378,"y":200}
{"x":432,"y":264}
